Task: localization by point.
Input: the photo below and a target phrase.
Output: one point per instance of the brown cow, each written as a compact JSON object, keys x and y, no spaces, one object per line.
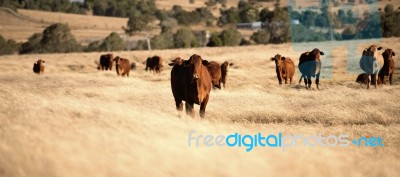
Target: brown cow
{"x":224,"y":72}
{"x":38,"y":67}
{"x":191,"y":82}
{"x":215,"y":72}
{"x":284,"y":68}
{"x":122,"y":66}
{"x":388,"y":66}
{"x":154,"y":64}
{"x":177,"y":61}
{"x":310,"y":66}
{"x":106,"y":62}
{"x":371,"y":63}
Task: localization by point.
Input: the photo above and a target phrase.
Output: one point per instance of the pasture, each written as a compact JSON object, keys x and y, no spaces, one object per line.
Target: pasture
{"x":77,"y":121}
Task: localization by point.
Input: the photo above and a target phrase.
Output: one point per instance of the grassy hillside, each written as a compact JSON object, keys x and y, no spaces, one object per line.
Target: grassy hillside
{"x":77,"y":121}
{"x":85,"y":28}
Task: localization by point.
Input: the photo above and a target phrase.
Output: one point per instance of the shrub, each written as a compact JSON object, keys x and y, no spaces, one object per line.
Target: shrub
{"x":215,"y":40}
{"x":32,"y":45}
{"x":261,"y":37}
{"x":184,"y":38}
{"x":8,"y":46}
{"x":113,"y":42}
{"x":230,"y":37}
{"x":57,"y":38}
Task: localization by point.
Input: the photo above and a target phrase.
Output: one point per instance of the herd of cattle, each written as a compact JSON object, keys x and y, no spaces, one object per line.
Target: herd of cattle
{"x":193,"y":79}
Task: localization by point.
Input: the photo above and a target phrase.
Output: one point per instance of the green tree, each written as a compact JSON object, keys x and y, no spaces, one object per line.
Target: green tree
{"x":32,"y":45}
{"x":184,"y":38}
{"x":215,"y":40}
{"x":8,"y":46}
{"x":57,"y":38}
{"x":113,"y":42}
{"x":261,"y":37}
{"x":230,"y":37}
{"x":164,"y":40}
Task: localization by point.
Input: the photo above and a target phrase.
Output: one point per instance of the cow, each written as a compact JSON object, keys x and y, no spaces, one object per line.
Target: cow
{"x":388,"y":66}
{"x":310,"y":66}
{"x":38,"y":67}
{"x":191,"y":82}
{"x":284,"y":68}
{"x":224,"y":72}
{"x":122,"y":66}
{"x":362,"y":78}
{"x":154,"y":64}
{"x":106,"y":62}
{"x":371,"y":63}
{"x":215,"y":72}
{"x":177,"y":61}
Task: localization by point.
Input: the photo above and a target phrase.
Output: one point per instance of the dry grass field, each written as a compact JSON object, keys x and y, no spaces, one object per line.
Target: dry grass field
{"x":77,"y":121}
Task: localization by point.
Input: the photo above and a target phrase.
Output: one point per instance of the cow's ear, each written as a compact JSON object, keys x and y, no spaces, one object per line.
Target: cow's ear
{"x":379,"y":48}
{"x":272,"y":59}
{"x":43,"y":61}
{"x":283,"y":58}
{"x":231,"y":64}
{"x":205,"y":62}
{"x":393,"y":53}
{"x":171,"y":64}
{"x":321,"y":52}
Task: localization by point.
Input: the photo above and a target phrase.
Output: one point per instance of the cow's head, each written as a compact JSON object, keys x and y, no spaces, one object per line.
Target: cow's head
{"x":226,"y":65}
{"x":197,"y":63}
{"x":388,"y":54}
{"x":371,"y":50}
{"x":40,"y":61}
{"x":117,"y":59}
{"x":278,"y":60}
{"x":176,"y":61}
{"x":317,"y":52}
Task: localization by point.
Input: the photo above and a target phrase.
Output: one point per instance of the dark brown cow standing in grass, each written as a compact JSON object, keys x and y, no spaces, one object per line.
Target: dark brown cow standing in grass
{"x":371,"y":63}
{"x":122,"y":66}
{"x":224,"y":72}
{"x":190,"y":82}
{"x":154,"y":64}
{"x":388,"y":66}
{"x":310,"y":66}
{"x":215,"y":72}
{"x":38,"y":67}
{"x":284,"y":68}
{"x":106,"y":62}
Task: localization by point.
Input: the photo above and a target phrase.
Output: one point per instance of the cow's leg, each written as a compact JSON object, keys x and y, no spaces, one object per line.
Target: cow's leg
{"x":381,"y":79}
{"x":280,"y":79}
{"x":373,"y":80}
{"x":203,"y":106}
{"x":189,"y":108}
{"x":390,"y":78}
{"x":286,"y":79}
{"x":291,"y":80}
{"x":179,"y":105}
{"x":317,"y":80}
{"x":368,"y":81}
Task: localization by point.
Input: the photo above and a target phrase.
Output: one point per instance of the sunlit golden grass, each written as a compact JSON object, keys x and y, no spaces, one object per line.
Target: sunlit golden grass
{"x":77,"y":121}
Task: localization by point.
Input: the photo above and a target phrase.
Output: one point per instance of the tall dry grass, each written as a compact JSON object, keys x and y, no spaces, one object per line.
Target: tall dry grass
{"x":77,"y":121}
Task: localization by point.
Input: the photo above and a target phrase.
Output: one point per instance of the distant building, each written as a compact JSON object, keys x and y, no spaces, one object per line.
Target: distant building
{"x":295,"y":21}
{"x":253,"y":25}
